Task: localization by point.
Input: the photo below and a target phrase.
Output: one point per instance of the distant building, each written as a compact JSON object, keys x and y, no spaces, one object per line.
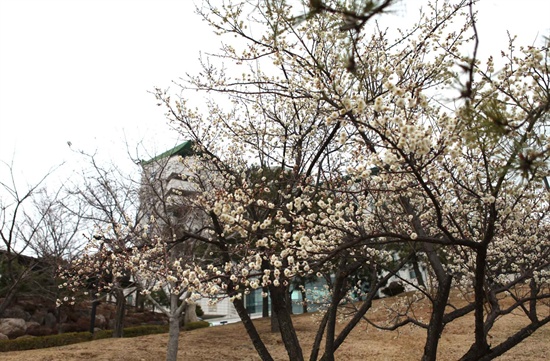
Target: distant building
{"x":166,"y":194}
{"x":165,"y":186}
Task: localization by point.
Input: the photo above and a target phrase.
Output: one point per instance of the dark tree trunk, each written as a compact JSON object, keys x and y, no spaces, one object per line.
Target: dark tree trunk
{"x":481,"y":346}
{"x":289,"y":301}
{"x":118,"y":330}
{"x":251,"y":330}
{"x":288,"y":333}
{"x":274,"y":321}
{"x":331,"y":319}
{"x":533,"y":302}
{"x":436,"y":325}
{"x":304,"y":299}
{"x":417,"y":272}
{"x":514,"y":340}
{"x":338,"y":341}
{"x":316,"y":348}
{"x":95,"y":302}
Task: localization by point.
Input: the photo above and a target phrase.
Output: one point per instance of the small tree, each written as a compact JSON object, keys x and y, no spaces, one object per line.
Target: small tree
{"x":149,"y":263}
{"x":107,"y":200}
{"x":24,"y":218}
{"x":142,"y":236}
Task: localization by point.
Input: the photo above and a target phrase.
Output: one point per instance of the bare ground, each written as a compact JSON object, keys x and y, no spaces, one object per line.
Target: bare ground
{"x":230,"y":342}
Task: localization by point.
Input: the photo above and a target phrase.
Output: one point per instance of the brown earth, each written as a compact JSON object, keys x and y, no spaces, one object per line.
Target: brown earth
{"x":230,"y":342}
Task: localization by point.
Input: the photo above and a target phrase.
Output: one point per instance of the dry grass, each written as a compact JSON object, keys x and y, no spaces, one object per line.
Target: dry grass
{"x":230,"y":342}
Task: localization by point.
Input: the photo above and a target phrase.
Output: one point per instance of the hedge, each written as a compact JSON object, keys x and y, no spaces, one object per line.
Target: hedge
{"x":31,"y":343}
{"x":194,"y":325}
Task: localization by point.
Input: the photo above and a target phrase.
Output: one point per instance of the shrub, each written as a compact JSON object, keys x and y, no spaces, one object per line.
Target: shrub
{"x":194,"y":325}
{"x":393,"y":289}
{"x":145,"y":330}
{"x":22,"y":344}
{"x":199,"y":311}
{"x":101,"y":334}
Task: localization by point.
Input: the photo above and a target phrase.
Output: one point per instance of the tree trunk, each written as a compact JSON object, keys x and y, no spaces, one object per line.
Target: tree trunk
{"x":251,"y":330}
{"x":318,"y":338}
{"x":288,"y":333}
{"x":288,"y":298}
{"x":118,"y":330}
{"x":173,"y":330}
{"x":274,"y":322}
{"x":173,"y":338}
{"x":331,"y":319}
{"x":304,"y":299}
{"x":417,"y":272}
{"x":480,"y":347}
{"x":436,"y":324}
{"x":95,"y":302}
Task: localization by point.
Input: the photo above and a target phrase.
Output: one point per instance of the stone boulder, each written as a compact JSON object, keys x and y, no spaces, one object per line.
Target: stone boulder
{"x":17,"y":312}
{"x":30,"y":324}
{"x":83,"y":324}
{"x":13,"y":327}
{"x":50,"y":320}
{"x":3,"y":337}
{"x":39,"y":316}
{"x":40,"y":330}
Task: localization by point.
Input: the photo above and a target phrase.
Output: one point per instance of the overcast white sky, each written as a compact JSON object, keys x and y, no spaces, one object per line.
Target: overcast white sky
{"x":80,"y":70}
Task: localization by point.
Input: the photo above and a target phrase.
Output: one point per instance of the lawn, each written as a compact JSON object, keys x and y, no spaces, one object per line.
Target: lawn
{"x":230,"y":342}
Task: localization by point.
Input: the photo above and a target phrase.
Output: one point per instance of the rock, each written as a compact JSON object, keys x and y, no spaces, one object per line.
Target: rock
{"x":83,"y":324}
{"x":17,"y":312}
{"x":68,"y":327}
{"x":3,"y":337}
{"x":63,"y":317}
{"x":72,"y":316}
{"x":30,"y":324}
{"x":31,"y":306}
{"x":50,"y":320}
{"x":40,"y":330}
{"x":13,"y":327}
{"x":39,"y":316}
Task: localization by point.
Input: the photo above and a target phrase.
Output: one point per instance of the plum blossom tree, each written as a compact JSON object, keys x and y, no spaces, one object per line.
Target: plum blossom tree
{"x":139,"y":242}
{"x":370,"y":158}
{"x":150,"y":265}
